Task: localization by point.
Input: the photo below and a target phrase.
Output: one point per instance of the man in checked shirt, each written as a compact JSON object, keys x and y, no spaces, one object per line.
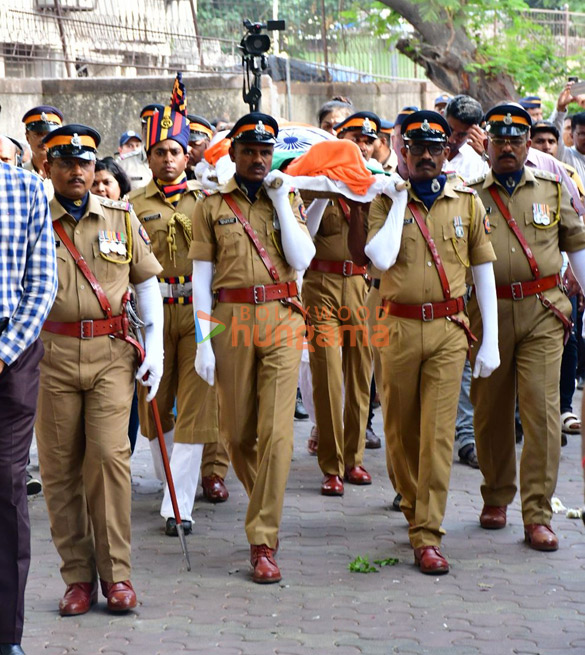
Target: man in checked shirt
{"x":28,"y":284}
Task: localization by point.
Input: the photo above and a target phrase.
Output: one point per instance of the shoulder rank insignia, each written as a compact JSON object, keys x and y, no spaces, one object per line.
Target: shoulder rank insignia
{"x":463,"y":188}
{"x":476,"y":180}
{"x":124,"y":205}
{"x":546,"y":175}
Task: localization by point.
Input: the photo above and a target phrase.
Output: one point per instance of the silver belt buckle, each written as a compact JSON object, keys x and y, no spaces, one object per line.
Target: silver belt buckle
{"x":82,"y":325}
{"x":517,"y":291}
{"x":259,"y":289}
{"x":428,"y":313}
{"x":347,"y":264}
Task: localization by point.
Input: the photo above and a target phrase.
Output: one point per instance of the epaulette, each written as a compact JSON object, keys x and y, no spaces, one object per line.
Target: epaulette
{"x":546,"y":175}
{"x":476,"y":180}
{"x":207,"y":192}
{"x":453,"y":176}
{"x":464,"y":189}
{"x":124,"y":205}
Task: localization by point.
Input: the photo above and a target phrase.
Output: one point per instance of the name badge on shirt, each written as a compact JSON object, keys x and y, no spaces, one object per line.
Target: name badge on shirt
{"x":226,"y":221}
{"x":540,"y":214}
{"x":151,"y":217}
{"x":408,"y":221}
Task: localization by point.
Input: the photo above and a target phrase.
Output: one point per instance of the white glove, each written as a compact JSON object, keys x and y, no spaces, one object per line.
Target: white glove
{"x":205,"y":362}
{"x":150,"y":307}
{"x":383,"y":249}
{"x":278,"y":193}
{"x":488,"y":357}
{"x":202,"y":300}
{"x":391,"y":191}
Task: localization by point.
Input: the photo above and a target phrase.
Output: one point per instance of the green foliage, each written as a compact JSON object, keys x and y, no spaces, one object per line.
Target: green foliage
{"x":524,"y":50}
{"x":362,"y":564}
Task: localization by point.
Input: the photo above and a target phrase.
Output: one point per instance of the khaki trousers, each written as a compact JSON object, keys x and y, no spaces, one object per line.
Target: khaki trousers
{"x":215,"y":459}
{"x":531,"y":348}
{"x":340,"y":357}
{"x":196,"y":401}
{"x":84,"y":453}
{"x":422,"y":367}
{"x":257,"y":363}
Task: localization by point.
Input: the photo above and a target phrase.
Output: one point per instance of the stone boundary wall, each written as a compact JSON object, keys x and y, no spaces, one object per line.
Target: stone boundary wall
{"x":112,"y":105}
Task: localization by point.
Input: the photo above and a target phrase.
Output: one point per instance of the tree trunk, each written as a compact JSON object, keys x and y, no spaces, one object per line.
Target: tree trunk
{"x":444,"y":51}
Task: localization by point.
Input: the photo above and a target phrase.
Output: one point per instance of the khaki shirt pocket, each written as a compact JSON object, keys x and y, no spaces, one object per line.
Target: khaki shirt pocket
{"x":231,"y":240}
{"x":456,"y":246}
{"x":538,"y":233}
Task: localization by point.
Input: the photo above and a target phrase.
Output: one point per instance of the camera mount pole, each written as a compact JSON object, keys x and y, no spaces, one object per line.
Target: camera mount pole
{"x":252,"y":92}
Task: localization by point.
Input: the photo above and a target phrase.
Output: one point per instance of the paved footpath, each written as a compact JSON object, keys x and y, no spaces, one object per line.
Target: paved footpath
{"x":500,"y":598}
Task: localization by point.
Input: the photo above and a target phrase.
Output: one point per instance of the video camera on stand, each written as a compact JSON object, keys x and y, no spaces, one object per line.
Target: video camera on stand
{"x":254,"y":47}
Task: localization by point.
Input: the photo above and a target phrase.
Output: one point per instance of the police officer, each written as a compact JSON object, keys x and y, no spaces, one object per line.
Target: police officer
{"x":334,"y":290}
{"x":200,"y":134}
{"x":134,"y":162}
{"x":424,"y":240}
{"x":165,"y":207}
{"x":532,"y":220}
{"x":38,"y":122}
{"x":249,"y":238}
{"x":87,"y":378}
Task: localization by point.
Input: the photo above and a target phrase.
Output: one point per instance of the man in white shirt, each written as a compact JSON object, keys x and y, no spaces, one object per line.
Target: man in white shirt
{"x":464,"y":115}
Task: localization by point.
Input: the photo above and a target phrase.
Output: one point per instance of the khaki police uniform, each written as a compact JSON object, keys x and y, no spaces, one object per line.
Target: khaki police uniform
{"x":135,"y":165}
{"x":335,"y":303}
{"x":422,"y":361}
{"x":257,"y":356}
{"x":85,"y":397}
{"x":196,"y":420}
{"x":530,"y":343}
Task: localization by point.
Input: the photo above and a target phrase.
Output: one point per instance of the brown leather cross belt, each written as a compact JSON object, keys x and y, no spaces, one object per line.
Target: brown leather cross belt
{"x":87,"y":329}
{"x":519,"y":290}
{"x":428,"y":311}
{"x":346,"y":268}
{"x":259,"y":294}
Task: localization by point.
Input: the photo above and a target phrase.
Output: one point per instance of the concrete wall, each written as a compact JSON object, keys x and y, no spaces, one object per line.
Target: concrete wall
{"x":112,"y":105}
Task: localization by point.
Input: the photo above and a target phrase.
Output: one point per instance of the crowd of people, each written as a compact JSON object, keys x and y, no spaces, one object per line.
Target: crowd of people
{"x":444,"y":251}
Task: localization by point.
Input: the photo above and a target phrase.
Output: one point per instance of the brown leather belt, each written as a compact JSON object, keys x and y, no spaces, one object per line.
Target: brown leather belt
{"x":428,"y":311}
{"x":346,"y":268}
{"x":87,"y":329}
{"x":260,"y":293}
{"x":519,"y":290}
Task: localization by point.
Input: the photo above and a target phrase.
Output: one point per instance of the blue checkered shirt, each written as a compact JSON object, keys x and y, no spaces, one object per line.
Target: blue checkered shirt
{"x":28,"y":269}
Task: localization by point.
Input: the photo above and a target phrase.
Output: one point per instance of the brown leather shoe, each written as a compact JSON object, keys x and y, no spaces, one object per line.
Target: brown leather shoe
{"x":214,"y":489}
{"x":332,"y":485}
{"x":78,"y":598}
{"x":493,"y":517}
{"x":120,"y":595}
{"x":357,"y":475}
{"x":266,"y":569}
{"x":540,"y":537}
{"x":429,"y":560}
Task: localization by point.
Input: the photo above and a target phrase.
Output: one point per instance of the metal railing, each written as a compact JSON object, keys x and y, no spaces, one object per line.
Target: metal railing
{"x":146,"y":38}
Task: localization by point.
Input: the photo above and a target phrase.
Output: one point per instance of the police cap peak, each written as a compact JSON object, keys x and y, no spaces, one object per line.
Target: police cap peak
{"x":255,"y":127}
{"x":365,"y":121}
{"x":425,"y":125}
{"x":73,"y":140}
{"x":43,"y":118}
{"x":507,"y":119}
